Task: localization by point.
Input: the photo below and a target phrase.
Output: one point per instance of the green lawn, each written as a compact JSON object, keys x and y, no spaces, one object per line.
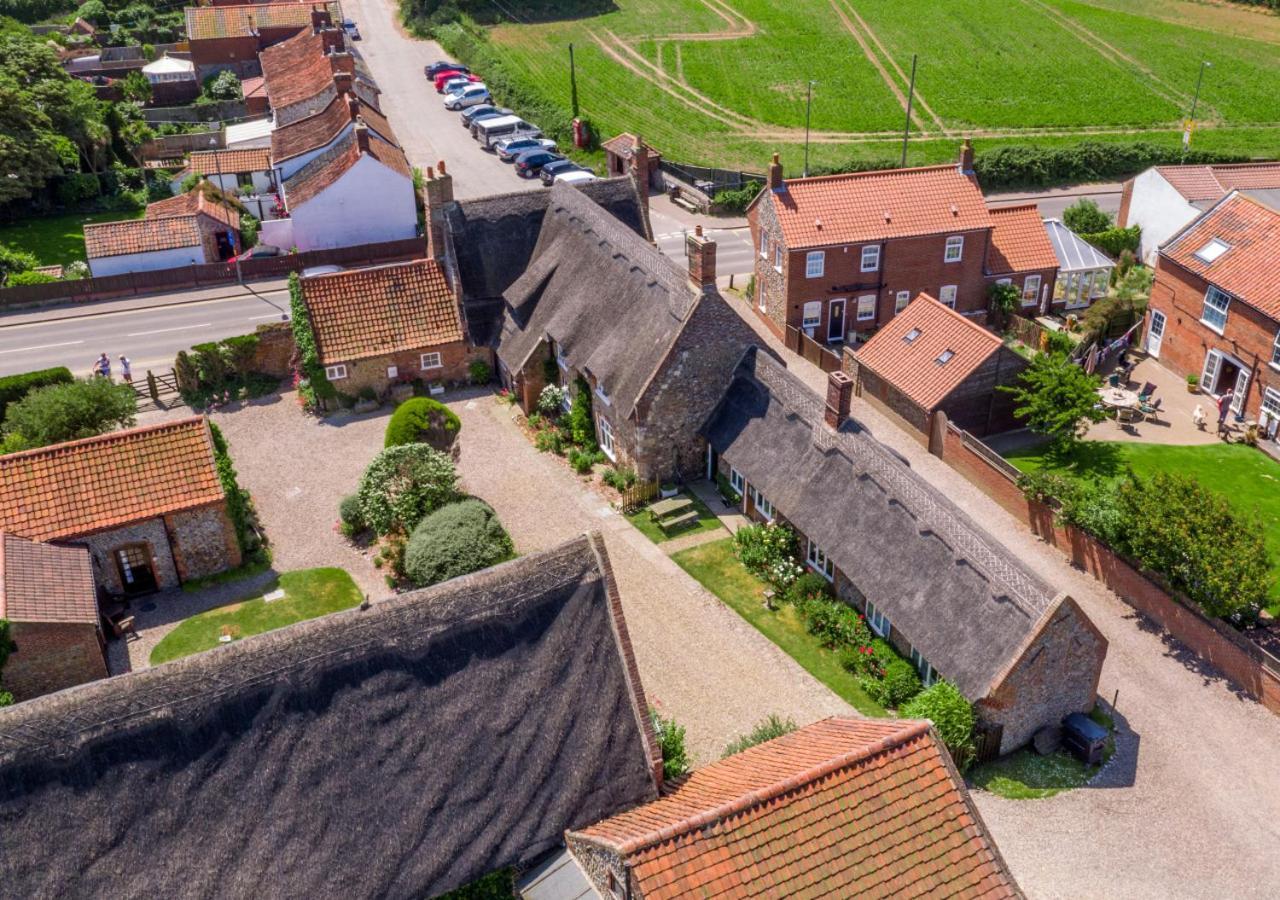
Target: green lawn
{"x":308,"y":593}
{"x":57,"y":240}
{"x":1247,"y":477}
{"x":707,"y":521}
{"x":719,"y":571}
{"x":1026,"y":775}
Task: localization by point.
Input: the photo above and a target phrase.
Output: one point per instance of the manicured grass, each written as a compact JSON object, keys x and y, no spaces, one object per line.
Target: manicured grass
{"x":1026,"y":775}
{"x":308,"y":593}
{"x":57,"y":240}
{"x":1245,"y":476}
{"x":253,"y":567}
{"x":707,"y":521}
{"x":718,"y":570}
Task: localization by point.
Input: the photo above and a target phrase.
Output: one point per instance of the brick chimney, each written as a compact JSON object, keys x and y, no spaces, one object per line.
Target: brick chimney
{"x":342,"y":82}
{"x":361,"y":132}
{"x":332,"y":40}
{"x":353,"y":106}
{"x":775,"y":175}
{"x":966,"y":158}
{"x":702,"y":259}
{"x":319,"y":18}
{"x":639,"y":166}
{"x":839,"y":396}
{"x":344,"y":62}
{"x":437,"y":188}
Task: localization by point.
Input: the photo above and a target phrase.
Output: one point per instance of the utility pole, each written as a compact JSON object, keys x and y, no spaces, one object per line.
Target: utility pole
{"x":808,"y":108}
{"x":1195,"y":101}
{"x":911,"y":96}
{"x":573,"y":84}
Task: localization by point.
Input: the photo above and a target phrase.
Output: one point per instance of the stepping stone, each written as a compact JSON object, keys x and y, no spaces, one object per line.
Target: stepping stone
{"x":274,"y":595}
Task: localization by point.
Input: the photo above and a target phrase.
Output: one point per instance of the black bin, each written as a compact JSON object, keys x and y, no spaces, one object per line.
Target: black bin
{"x":1084,"y":737}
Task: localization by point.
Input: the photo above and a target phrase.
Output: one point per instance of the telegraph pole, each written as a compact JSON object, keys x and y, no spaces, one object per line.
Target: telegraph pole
{"x":808,"y":108}
{"x":1195,"y":101}
{"x":911,"y":96}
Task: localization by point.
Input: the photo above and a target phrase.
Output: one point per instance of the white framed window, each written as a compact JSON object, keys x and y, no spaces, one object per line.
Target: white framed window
{"x":819,"y":563}
{"x":927,"y":673}
{"x":1275,"y":351}
{"x":393,"y":371}
{"x":866,"y":307}
{"x":812,"y":314}
{"x":335,"y":373}
{"x":1031,"y":290}
{"x":762,"y":505}
{"x":948,"y":295}
{"x":1004,"y":281}
{"x":736,"y":481}
{"x":1215,"y":309}
{"x":602,"y":393}
{"x":900,"y":302}
{"x":954,"y":249}
{"x":606,"y":437}
{"x":871,"y":258}
{"x":1269,"y":419}
{"x":777,"y":257}
{"x":815,"y":263}
{"x":432,"y":361}
{"x":760,"y":294}
{"x":878,"y":621}
{"x":1101,"y":279}
{"x":764,"y":244}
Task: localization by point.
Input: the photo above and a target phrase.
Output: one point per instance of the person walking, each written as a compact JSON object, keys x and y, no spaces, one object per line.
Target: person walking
{"x":102,"y":368}
{"x":126,"y":369}
{"x":1224,"y":407}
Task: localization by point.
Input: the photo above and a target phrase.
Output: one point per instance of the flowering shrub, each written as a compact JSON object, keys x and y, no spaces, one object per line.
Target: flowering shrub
{"x":769,"y":551}
{"x":550,"y":400}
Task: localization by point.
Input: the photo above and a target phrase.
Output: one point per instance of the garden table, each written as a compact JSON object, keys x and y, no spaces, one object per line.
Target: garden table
{"x":664,"y":508}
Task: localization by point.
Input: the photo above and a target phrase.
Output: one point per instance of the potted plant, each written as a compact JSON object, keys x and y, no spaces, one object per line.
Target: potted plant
{"x":1193,"y":383}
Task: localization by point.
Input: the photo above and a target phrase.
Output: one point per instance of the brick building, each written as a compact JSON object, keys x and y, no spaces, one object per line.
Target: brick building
{"x":1021,"y":254}
{"x":304,"y":74}
{"x":48,"y":596}
{"x":1215,"y":305}
{"x":844,"y":807}
{"x":392,"y":324}
{"x":928,"y":579}
{"x":230,"y":37}
{"x":186,"y":230}
{"x":146,"y":502}
{"x":840,"y":255}
{"x":655,"y":344}
{"x":931,"y":359}
{"x":628,"y":155}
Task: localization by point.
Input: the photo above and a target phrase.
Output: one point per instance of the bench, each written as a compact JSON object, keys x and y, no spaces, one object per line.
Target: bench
{"x":677,"y":522}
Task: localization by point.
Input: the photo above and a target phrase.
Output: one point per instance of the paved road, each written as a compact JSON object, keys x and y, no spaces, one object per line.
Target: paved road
{"x":1051,"y":203}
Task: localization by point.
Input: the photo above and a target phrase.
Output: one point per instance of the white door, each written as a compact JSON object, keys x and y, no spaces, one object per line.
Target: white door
{"x":1209,"y":375}
{"x":1240,"y":393}
{"x":1155,"y":334}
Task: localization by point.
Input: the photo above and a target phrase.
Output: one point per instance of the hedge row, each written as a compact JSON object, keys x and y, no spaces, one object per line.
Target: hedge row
{"x":14,"y":387}
{"x":1030,"y":166}
{"x":1115,"y":241}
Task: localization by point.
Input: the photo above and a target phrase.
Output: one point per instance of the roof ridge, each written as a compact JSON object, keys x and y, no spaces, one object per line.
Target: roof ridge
{"x":1017,"y":207}
{"x":870,"y":172}
{"x":912,"y":728}
{"x":105,"y":438}
{"x":987,"y":335}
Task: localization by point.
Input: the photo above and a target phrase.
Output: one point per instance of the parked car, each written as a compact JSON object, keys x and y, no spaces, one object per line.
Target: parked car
{"x":458,"y":82}
{"x":262,"y":251}
{"x":349,"y":26}
{"x":511,"y":147}
{"x":575,"y":176}
{"x":475,"y":95}
{"x":312,"y":271}
{"x":528,"y":164}
{"x":483,"y":111}
{"x":436,"y":68}
{"x":549,"y":171}
{"x":444,"y":77}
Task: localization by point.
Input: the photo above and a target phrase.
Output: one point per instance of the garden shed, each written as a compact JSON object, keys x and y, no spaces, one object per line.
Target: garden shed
{"x":1084,"y":271}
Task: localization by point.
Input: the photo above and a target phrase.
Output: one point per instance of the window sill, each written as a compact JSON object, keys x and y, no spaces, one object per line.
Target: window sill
{"x":818,"y":571}
{"x":613,"y":457}
{"x":812,"y":277}
{"x":1214,"y":328}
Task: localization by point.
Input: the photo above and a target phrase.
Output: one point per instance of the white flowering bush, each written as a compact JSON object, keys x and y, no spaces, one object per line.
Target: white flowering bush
{"x":770,"y":552}
{"x":551,"y":400}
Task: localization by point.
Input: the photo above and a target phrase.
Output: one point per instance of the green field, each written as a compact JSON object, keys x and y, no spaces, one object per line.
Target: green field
{"x":57,"y":240}
{"x":724,"y":81}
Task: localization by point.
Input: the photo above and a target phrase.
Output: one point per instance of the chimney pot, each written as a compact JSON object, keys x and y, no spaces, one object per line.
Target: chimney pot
{"x":440,"y":167}
{"x":839,"y":398}
{"x":697,"y":229}
{"x":362,"y":135}
{"x":966,"y":157}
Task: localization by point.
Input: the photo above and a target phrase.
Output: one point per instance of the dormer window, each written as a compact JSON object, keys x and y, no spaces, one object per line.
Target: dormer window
{"x":602,"y":393}
{"x":1212,"y":250}
{"x":911,"y":335}
{"x":945,"y":357}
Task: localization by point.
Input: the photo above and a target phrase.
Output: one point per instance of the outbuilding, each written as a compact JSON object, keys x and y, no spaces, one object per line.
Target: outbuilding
{"x":1084,"y":271}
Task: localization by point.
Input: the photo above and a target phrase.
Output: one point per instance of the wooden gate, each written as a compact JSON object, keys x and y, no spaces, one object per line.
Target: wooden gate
{"x":986,"y":741}
{"x":156,"y":385}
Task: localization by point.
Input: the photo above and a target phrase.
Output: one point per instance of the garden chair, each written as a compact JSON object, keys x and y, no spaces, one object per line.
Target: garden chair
{"x":1150,"y":410}
{"x":1148,"y":390}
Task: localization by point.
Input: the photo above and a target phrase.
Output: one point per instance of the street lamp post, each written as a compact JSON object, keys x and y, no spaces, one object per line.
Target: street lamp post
{"x":808,"y":108}
{"x":1195,"y":101}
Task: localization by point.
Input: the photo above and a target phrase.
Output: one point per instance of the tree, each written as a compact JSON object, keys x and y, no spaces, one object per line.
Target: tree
{"x":135,"y":88}
{"x":223,"y":86}
{"x":423,"y":420}
{"x":456,"y":540}
{"x":952,"y":717}
{"x":1004,"y":299}
{"x":14,"y":261}
{"x":403,"y":484}
{"x":95,"y":13}
{"x":1084,"y":217}
{"x":1056,"y":398}
{"x":66,"y":412}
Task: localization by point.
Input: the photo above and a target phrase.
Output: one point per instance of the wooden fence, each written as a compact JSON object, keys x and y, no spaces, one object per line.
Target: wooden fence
{"x":136,"y":283}
{"x":638,"y":495}
{"x":153,"y":386}
{"x":799,"y":342}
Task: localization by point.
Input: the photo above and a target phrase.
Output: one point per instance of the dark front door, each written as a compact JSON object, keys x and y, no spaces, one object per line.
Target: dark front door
{"x":226,"y":246}
{"x":835,"y":321}
{"x":137,"y":574}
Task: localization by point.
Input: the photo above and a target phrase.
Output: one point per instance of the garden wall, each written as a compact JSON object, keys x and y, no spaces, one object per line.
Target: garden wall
{"x":1246,"y":665}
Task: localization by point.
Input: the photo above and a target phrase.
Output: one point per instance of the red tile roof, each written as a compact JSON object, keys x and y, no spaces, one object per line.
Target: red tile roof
{"x":315,"y":131}
{"x":373,"y":312}
{"x":871,"y":206}
{"x":296,"y":69}
{"x":1247,"y":270}
{"x":1019,"y":242}
{"x":229,"y":162}
{"x":46,"y":582}
{"x":912,"y":366}
{"x":140,"y":236}
{"x":1199,"y":183}
{"x":318,"y":174}
{"x":211,"y":22}
{"x":845,"y":807}
{"x":107,"y":481}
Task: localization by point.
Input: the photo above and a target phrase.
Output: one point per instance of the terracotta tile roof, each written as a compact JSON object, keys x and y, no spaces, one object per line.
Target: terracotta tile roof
{"x":870,"y":206}
{"x":253,"y":87}
{"x":318,"y":174}
{"x":296,"y":69}
{"x":211,"y":22}
{"x":372,"y":312}
{"x":103,"y":482}
{"x":845,"y":807}
{"x":1248,"y":269}
{"x":192,"y":203}
{"x":229,"y":162}
{"x":912,"y":366}
{"x":1019,"y":242}
{"x":1199,"y":183}
{"x":621,"y":144}
{"x":315,"y":131}
{"x":140,"y":236}
{"x":46,"y":582}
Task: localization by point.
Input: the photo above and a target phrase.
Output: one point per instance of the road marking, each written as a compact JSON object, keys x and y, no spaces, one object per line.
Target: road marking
{"x":166,"y":330}
{"x":42,"y":347}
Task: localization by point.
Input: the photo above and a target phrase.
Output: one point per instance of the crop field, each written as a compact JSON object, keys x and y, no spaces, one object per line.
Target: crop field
{"x":725,"y":81}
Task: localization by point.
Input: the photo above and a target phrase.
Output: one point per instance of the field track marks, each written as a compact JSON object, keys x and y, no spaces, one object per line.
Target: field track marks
{"x":1157,"y":85}
{"x":840,"y":7}
{"x":739,"y":25}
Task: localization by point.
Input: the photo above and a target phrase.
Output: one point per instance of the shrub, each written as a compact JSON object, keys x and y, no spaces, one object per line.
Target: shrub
{"x":313,"y":386}
{"x":249,"y":228}
{"x":239,"y":505}
{"x":582,"y":427}
{"x":834,"y":623}
{"x":223,"y":86}
{"x":768,"y":729}
{"x":551,"y":400}
{"x":14,"y":387}
{"x":1115,"y":241}
{"x":17,"y":279}
{"x":454,"y":540}
{"x":732,"y":497}
{"x":621,"y":478}
{"x":736,"y":200}
{"x":13,"y":261}
{"x":423,"y":420}
{"x":65,"y":412}
{"x":480,"y":371}
{"x":1084,"y":217}
{"x":403,"y":484}
{"x":550,"y":440}
{"x":583,"y":460}
{"x":899,"y":683}
{"x":952,"y":717}
{"x":808,"y":586}
{"x":350,"y":514}
{"x":675,"y":760}
{"x":768,"y":551}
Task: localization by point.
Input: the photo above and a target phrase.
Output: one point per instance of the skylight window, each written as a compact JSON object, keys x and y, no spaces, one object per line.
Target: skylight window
{"x":945,"y":357}
{"x":1212,"y":250}
{"x":911,"y":335}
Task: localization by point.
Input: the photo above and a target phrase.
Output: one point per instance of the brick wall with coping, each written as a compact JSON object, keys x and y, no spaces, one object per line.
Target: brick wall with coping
{"x":51,"y":656}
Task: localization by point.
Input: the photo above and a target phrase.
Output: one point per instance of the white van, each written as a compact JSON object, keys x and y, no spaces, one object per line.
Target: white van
{"x":576,"y":176}
{"x":491,"y":129}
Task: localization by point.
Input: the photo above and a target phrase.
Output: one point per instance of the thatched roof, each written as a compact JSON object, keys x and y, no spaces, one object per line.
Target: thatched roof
{"x":960,"y":597}
{"x":396,"y":751}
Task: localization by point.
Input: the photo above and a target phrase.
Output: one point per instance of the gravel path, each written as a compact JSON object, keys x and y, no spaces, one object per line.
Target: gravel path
{"x":1190,"y":806}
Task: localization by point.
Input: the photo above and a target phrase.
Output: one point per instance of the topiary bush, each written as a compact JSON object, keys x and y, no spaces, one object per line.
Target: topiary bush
{"x":952,"y":717}
{"x":423,"y":420}
{"x":403,"y":485}
{"x":454,"y":540}
{"x":350,"y":514}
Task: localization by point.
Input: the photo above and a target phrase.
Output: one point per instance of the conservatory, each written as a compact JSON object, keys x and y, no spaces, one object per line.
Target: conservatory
{"x":1084,"y":272}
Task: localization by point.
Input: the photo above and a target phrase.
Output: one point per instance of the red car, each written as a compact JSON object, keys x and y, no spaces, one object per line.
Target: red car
{"x":449,"y":76}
